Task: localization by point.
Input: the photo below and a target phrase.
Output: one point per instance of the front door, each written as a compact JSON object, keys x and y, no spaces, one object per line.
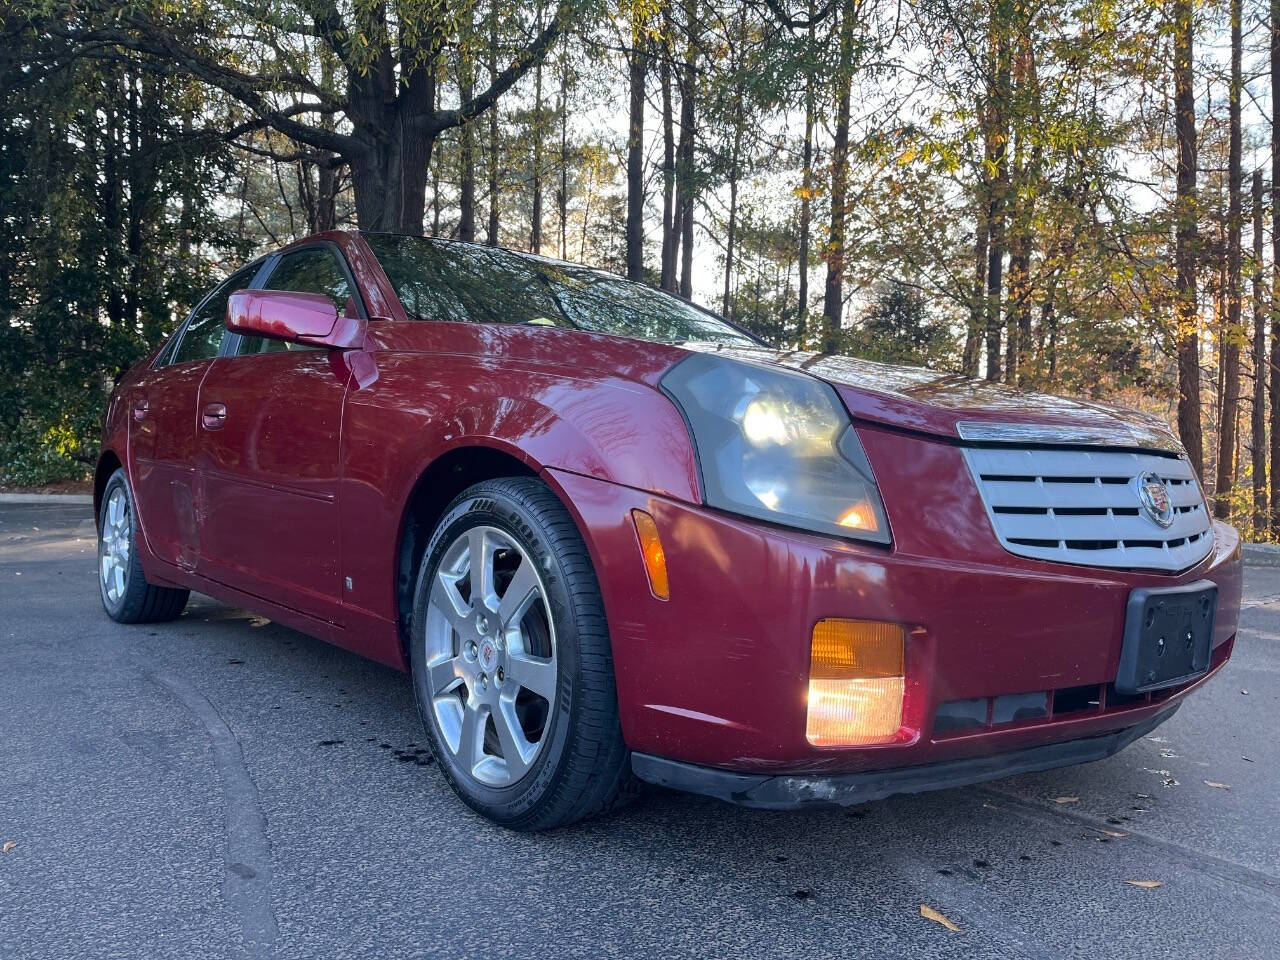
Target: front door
{"x":269,"y":457}
{"x":163,"y":429}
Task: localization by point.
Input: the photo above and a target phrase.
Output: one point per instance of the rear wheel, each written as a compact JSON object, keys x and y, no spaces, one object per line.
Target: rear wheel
{"x":126,"y":595}
{"x":511,"y":660}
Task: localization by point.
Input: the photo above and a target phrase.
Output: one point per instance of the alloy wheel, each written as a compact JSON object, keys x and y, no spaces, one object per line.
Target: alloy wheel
{"x":114,"y":546}
{"x":490,"y":656}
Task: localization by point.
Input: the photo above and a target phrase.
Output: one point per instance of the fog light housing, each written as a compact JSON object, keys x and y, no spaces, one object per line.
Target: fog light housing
{"x":856,"y":682}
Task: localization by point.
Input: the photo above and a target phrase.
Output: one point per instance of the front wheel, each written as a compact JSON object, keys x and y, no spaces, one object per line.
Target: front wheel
{"x":126,"y":595}
{"x":512,"y":667}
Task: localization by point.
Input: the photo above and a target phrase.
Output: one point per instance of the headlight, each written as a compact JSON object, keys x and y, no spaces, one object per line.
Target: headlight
{"x":778,"y":446}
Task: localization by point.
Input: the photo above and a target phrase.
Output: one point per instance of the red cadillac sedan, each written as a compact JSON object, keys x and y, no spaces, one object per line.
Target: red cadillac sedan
{"x":614,"y":539}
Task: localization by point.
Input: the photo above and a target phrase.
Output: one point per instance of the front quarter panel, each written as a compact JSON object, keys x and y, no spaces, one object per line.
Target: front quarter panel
{"x":416,"y":406}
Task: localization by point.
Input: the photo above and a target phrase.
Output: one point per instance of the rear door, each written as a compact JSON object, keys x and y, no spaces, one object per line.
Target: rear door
{"x":163,"y":428}
{"x":269,"y":455}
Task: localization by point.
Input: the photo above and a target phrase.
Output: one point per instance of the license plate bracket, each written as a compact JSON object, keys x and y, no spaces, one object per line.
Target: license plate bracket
{"x":1168,"y":635}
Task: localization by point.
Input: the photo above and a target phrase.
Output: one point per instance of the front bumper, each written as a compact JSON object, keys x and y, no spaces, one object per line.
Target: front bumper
{"x":797,"y":791}
{"x":717,"y":676}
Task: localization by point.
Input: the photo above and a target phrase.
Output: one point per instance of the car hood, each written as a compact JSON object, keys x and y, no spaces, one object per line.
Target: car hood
{"x":959,"y":407}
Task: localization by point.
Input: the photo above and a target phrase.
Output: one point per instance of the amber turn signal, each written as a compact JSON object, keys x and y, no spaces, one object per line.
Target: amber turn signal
{"x":655,"y":558}
{"x":856,"y":682}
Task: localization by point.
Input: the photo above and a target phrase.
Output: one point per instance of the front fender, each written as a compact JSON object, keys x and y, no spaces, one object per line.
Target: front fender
{"x":420,"y":408}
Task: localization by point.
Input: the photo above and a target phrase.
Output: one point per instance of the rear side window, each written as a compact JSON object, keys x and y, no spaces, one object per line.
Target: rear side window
{"x":207,"y":325}
{"x":313,"y":270}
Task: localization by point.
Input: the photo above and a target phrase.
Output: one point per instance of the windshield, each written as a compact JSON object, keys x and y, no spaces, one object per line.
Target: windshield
{"x":444,"y":280}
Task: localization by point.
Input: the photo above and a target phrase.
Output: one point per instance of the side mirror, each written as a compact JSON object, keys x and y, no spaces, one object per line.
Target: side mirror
{"x":298,"y":317}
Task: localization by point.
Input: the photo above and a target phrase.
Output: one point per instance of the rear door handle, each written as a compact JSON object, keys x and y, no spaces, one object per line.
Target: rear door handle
{"x":215,"y":416}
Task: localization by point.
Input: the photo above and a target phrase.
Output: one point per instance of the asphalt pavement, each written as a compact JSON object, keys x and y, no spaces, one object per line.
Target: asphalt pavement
{"x":224,"y":787}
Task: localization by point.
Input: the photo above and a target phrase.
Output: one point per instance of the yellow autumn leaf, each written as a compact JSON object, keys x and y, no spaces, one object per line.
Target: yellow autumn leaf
{"x":1066,"y":799}
{"x":931,"y":914}
{"x":908,"y":155}
{"x":8,"y":846}
{"x":1145,"y":884}
{"x":1111,"y":833}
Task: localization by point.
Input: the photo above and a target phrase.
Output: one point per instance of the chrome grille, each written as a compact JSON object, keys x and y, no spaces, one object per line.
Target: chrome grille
{"x":1082,"y":506}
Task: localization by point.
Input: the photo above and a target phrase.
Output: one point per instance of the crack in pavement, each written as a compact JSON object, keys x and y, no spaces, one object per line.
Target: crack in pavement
{"x":246,"y":884}
{"x":965,"y":899}
{"x":1249,"y":603}
{"x":1223,"y":869}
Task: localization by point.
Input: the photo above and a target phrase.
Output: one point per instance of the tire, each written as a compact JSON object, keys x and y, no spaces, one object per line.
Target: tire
{"x":126,"y":595}
{"x":558,"y":683}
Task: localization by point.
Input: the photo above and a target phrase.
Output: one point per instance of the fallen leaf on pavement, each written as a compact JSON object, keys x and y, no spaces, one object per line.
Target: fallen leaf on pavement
{"x":1145,"y":884}
{"x":1111,"y":833}
{"x":8,"y":846}
{"x":1216,"y":784}
{"x":931,"y":914}
{"x":1066,"y":799}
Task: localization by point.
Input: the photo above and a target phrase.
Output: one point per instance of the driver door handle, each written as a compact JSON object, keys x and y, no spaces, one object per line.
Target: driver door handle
{"x":215,"y":416}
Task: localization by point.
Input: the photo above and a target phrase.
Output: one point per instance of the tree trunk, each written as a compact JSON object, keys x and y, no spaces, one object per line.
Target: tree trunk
{"x":327,"y":193}
{"x":729,"y":238}
{"x":535,"y":216}
{"x":495,"y":146}
{"x":397,"y":136}
{"x":978,"y":303}
{"x":1230,"y":344}
{"x":1273,"y":371}
{"x":435,"y":198}
{"x":686,"y":190}
{"x":806,"y":196}
{"x":1018,"y":334}
{"x":562,"y":188}
{"x":1258,"y":422}
{"x":1049,"y":327}
{"x":997,"y":149}
{"x":735,"y":155}
{"x":466,"y":148}
{"x":1022,"y":246}
{"x":637,"y":70}
{"x":1186,"y":244}
{"x":833,"y":297}
{"x":670,"y":229}
{"x":112,"y":205}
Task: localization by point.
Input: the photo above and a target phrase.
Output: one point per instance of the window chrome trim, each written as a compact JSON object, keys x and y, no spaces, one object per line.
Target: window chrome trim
{"x":1066,"y":435}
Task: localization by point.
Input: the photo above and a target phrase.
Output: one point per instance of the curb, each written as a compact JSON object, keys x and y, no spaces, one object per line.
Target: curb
{"x":1260,"y":554}
{"x":50,"y":498}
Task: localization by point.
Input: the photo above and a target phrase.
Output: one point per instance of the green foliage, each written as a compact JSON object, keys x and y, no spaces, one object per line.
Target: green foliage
{"x":898,"y":328}
{"x":110,"y":228}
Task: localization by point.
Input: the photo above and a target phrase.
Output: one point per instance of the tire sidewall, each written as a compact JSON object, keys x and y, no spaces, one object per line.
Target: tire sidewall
{"x":495,"y":508}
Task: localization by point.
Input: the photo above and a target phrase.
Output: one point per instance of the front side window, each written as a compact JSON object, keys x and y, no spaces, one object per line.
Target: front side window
{"x":312,"y":270}
{"x":462,"y":282}
{"x":439,"y":280}
{"x":208,"y":323}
